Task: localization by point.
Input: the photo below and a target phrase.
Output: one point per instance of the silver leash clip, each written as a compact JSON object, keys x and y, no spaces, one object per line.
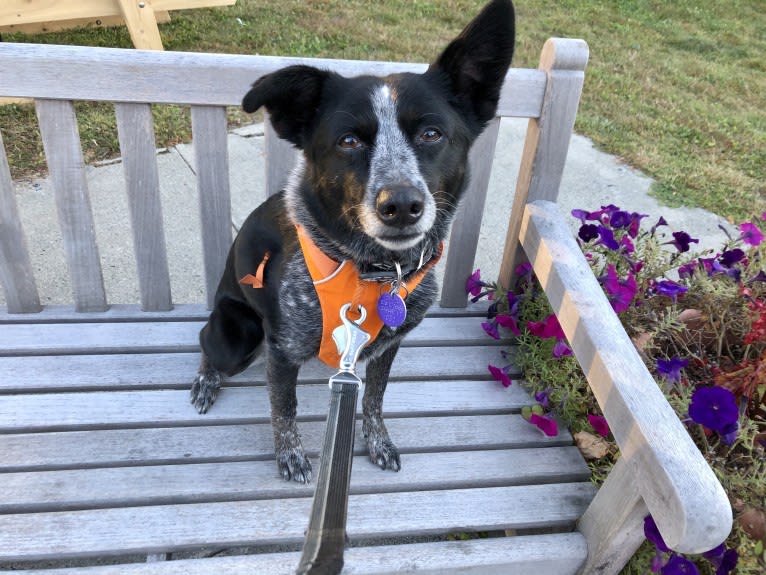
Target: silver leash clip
{"x":350,"y":338}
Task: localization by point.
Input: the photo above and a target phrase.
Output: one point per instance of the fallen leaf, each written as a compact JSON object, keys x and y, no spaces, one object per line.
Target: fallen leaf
{"x":753,"y":522}
{"x":591,"y":446}
{"x":641,"y":340}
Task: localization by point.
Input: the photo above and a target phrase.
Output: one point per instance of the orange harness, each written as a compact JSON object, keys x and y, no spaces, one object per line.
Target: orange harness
{"x":334,"y":282}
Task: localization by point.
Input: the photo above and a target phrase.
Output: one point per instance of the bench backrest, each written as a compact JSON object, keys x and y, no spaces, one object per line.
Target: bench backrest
{"x":55,"y":76}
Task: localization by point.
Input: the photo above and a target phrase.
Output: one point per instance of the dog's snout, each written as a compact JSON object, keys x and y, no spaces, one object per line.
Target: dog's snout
{"x":399,"y":206}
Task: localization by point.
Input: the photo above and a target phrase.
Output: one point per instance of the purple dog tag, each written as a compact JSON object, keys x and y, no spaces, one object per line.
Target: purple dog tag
{"x":392,"y":309}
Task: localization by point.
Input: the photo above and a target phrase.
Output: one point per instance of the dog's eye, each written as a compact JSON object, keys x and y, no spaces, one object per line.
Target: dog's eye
{"x":431,"y":135}
{"x":349,"y":142}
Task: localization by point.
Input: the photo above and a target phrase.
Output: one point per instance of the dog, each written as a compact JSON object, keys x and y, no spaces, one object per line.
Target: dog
{"x":384,"y":164}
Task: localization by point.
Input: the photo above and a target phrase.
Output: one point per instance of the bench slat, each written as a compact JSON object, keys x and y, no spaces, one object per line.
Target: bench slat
{"x":16,"y":275}
{"x":162,"y":337}
{"x":67,"y":411}
{"x":35,"y":71}
{"x":218,"y":443}
{"x":139,"y":159}
{"x":172,"y":527}
{"x":132,"y":371}
{"x":210,"y":139}
{"x":550,"y":554}
{"x":251,"y":480}
{"x":61,"y":140}
{"x":464,"y":236}
{"x":280,"y":156}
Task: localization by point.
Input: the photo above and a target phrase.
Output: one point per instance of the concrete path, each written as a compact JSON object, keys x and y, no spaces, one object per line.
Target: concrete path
{"x":591,"y":179}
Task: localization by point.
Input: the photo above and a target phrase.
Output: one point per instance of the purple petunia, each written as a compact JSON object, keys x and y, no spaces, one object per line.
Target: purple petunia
{"x":682,"y":240}
{"x":588,"y":232}
{"x":652,"y":533}
{"x":687,"y":270}
{"x":561,"y":348}
{"x":731,"y":257}
{"x":635,"y":223}
{"x":724,"y":560}
{"x":500,"y":375}
{"x":620,"y":293}
{"x":678,"y":565}
{"x":619,"y":219}
{"x":750,"y":234}
{"x":671,"y":368}
{"x":606,"y":238}
{"x":715,"y":408}
{"x":543,"y":398}
{"x":491,"y":329}
{"x":505,"y":320}
{"x":670,"y":289}
{"x":549,"y":327}
{"x":660,"y":222}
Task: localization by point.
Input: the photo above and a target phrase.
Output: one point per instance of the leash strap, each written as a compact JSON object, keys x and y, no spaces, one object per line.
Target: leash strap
{"x":326,"y":536}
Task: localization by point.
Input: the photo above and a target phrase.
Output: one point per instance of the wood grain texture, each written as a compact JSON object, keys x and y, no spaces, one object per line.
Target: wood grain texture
{"x":252,"y":480}
{"x":61,"y":140}
{"x":139,"y":159}
{"x":679,"y":488}
{"x":613,"y":524}
{"x":95,"y":410}
{"x":554,"y":554}
{"x":219,"y":80}
{"x":243,"y":442}
{"x":464,"y":236}
{"x":16,"y":275}
{"x":160,"y":529}
{"x":57,"y":25}
{"x":210,"y":138}
{"x":547,"y":141}
{"x":141,"y":22}
{"x":158,"y":337}
{"x":124,"y":371}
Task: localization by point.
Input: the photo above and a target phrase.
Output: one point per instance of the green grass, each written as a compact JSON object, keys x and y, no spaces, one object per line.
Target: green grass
{"x":677,"y":89}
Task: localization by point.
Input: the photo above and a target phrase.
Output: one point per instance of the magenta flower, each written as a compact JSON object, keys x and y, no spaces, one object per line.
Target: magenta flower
{"x":491,"y":329}
{"x":549,"y":327}
{"x":547,"y":425}
{"x":599,"y":424}
{"x":635,"y":223}
{"x":505,"y":320}
{"x":620,"y":293}
{"x":671,"y":368}
{"x":474,"y":284}
{"x":627,"y":243}
{"x":715,"y":408}
{"x":750,"y":234}
{"x":678,"y":565}
{"x":499,"y":375}
{"x":682,"y":240}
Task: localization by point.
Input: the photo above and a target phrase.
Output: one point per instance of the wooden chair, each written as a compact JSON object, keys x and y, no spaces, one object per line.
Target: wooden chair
{"x":102,"y":458}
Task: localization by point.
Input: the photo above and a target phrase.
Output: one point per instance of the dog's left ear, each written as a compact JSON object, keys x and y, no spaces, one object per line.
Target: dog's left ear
{"x":475,"y":63}
{"x":291,"y":96}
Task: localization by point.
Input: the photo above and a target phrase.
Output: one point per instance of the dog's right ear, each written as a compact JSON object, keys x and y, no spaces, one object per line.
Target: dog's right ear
{"x":291,"y":96}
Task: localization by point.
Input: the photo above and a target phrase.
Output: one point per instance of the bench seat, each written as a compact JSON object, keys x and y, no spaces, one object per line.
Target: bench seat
{"x":103,"y":456}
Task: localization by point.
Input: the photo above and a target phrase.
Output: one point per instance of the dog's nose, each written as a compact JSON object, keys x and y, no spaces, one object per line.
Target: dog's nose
{"x":399,"y":206}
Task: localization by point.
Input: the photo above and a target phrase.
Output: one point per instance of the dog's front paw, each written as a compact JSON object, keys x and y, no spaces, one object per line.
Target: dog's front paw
{"x":294,"y":465}
{"x":205,"y":388}
{"x":383,"y":452}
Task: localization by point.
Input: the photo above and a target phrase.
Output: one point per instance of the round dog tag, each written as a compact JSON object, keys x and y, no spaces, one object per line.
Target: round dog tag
{"x":392,"y":309}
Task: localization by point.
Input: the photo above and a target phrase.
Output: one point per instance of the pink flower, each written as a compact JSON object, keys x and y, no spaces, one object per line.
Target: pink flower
{"x":500,"y":375}
{"x":549,"y":327}
{"x":547,"y":425}
{"x":508,"y":321}
{"x":599,"y":424}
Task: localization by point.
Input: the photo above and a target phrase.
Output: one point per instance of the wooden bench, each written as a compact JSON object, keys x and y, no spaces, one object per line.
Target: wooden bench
{"x":102,"y":459}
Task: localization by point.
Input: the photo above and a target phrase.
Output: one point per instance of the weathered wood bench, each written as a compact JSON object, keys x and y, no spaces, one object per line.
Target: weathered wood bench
{"x":102,"y":459}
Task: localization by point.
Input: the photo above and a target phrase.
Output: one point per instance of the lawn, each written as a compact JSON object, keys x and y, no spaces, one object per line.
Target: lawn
{"x":676,"y":89}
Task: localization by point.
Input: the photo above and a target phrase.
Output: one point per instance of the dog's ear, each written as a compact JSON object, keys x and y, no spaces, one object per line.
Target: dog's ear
{"x":475,"y":63}
{"x":291,"y":96}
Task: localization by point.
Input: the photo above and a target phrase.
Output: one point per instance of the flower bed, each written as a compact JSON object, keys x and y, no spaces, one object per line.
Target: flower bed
{"x":699,"y":322}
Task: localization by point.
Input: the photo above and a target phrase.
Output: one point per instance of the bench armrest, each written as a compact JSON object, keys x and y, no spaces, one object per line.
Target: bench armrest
{"x":679,"y":488}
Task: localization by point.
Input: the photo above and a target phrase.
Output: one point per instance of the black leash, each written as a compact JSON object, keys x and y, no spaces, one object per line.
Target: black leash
{"x":326,"y":535}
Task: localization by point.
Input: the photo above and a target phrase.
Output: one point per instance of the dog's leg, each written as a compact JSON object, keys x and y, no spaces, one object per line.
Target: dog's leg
{"x":382,"y":450}
{"x":282,"y":381}
{"x":205,"y":386}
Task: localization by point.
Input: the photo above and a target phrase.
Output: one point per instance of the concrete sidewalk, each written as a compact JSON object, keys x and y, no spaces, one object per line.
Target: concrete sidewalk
{"x":591,"y":179}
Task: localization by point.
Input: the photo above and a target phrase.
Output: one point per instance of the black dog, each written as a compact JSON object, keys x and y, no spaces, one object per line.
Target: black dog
{"x":383,"y":167}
